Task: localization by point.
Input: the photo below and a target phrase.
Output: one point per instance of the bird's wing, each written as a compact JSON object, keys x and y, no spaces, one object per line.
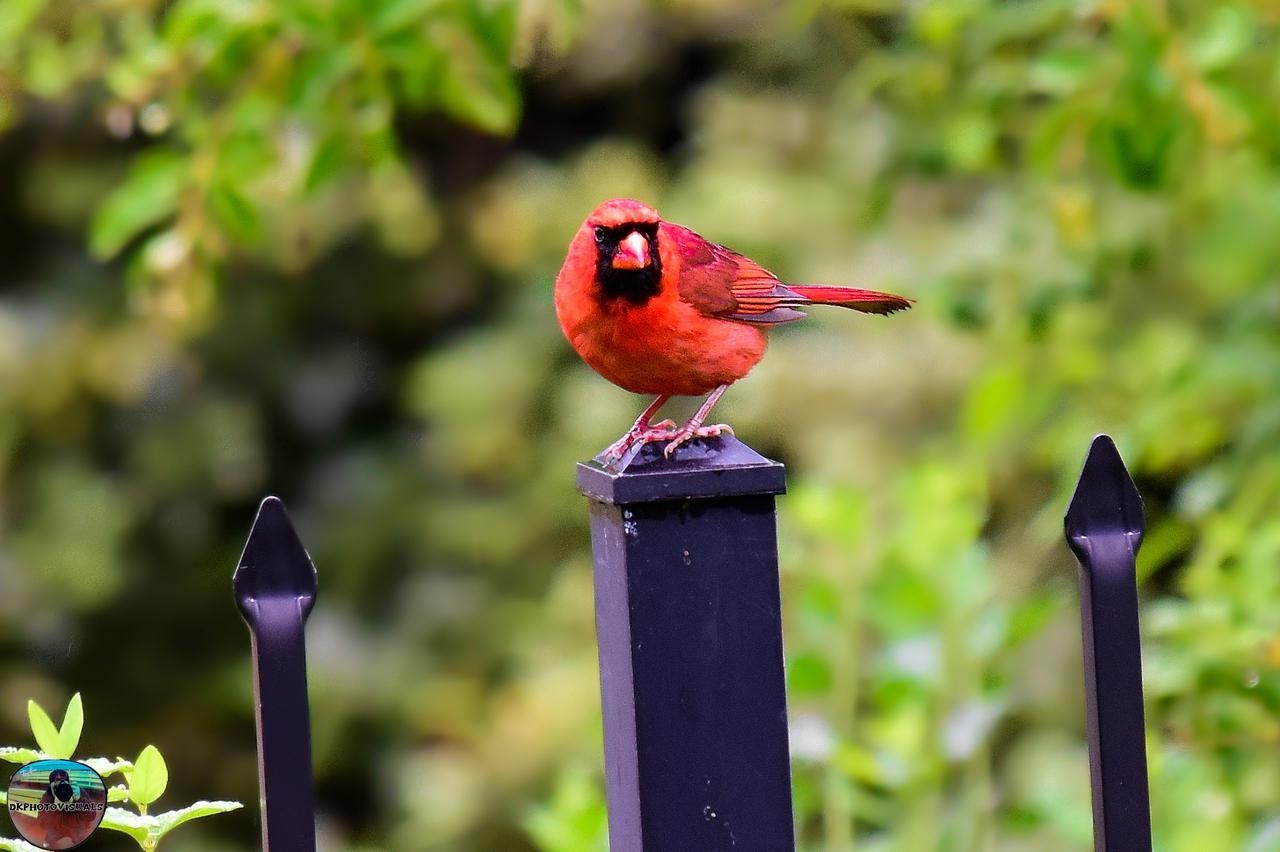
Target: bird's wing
{"x":720,"y":282}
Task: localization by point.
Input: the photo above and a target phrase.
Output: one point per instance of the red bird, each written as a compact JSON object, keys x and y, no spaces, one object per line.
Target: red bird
{"x":656,"y":309}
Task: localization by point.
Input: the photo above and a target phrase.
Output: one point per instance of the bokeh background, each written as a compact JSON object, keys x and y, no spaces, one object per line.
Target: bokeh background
{"x":306,"y":247}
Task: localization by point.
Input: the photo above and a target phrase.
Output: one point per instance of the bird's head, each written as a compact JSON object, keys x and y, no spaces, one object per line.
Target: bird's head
{"x":628,"y":263}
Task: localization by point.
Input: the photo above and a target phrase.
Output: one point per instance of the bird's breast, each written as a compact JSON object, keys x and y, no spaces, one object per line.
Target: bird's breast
{"x":664,"y":346}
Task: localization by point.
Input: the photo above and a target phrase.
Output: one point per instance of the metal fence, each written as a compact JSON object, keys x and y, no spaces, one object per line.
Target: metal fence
{"x":689,"y":626}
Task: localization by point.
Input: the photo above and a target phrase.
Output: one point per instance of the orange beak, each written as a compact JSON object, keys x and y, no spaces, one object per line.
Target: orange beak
{"x":632,"y":253}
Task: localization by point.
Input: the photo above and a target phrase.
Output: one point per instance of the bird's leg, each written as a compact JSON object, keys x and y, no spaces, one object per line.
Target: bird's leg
{"x":641,"y":431}
{"x":694,"y":428}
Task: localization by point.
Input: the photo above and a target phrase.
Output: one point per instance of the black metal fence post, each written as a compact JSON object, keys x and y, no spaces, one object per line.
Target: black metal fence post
{"x":1104,"y":526}
{"x":690,"y":638}
{"x":275,"y":587}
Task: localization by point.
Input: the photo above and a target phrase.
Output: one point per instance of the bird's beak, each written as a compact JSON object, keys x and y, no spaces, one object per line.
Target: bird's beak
{"x":632,"y":253}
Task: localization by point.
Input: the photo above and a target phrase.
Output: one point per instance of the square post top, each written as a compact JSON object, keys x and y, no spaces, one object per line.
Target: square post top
{"x":702,"y":468}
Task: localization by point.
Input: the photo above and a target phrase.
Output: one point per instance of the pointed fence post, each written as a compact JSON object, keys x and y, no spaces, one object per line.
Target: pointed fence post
{"x":1104,"y":526}
{"x":275,"y":588}
{"x":690,"y":637}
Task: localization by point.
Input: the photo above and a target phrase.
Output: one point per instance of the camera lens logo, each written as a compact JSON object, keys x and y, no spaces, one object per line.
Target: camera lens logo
{"x":56,"y":804}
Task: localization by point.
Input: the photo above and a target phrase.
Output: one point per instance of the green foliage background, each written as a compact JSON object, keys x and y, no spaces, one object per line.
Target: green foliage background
{"x":307,"y":247}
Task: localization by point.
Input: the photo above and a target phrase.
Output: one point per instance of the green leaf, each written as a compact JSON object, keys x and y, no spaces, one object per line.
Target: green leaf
{"x":45,"y":732}
{"x":391,"y":16}
{"x":495,"y":26}
{"x":105,"y":766}
{"x":72,"y":725}
{"x":18,"y":845}
{"x":1029,"y":617}
{"x":476,"y":86}
{"x":148,"y":829}
{"x":1229,"y":33}
{"x":809,"y":674}
{"x":858,"y":763}
{"x":149,"y":776}
{"x":820,"y":604}
{"x":575,"y":820}
{"x":137,"y":826}
{"x":969,"y":139}
{"x":1062,"y":71}
{"x":327,"y":163}
{"x":994,"y":402}
{"x":318,"y":75}
{"x":15,"y":17}
{"x":418,"y":67}
{"x":20,"y":755}
{"x":148,"y":196}
{"x":234,"y":213}
{"x":867,"y":7}
{"x":169,"y":820}
{"x":48,"y":73}
{"x":118,"y":793}
{"x":248,"y":153}
{"x":1138,"y":154}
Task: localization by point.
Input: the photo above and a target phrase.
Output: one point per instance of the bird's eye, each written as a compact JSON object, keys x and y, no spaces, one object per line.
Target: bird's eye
{"x":599,"y":234}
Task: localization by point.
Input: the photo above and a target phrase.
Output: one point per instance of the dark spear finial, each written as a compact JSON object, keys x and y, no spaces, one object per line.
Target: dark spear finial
{"x":1104,"y":526}
{"x":275,"y":588}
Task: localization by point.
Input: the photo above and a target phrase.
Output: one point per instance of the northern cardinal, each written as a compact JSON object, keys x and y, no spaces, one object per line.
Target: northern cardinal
{"x":656,"y":309}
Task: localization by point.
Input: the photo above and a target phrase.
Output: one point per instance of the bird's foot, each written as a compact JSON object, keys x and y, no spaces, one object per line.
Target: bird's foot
{"x":638,"y":435}
{"x":690,"y":431}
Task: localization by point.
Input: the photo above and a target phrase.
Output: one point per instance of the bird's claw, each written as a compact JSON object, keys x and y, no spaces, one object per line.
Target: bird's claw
{"x":689,"y":432}
{"x":663,"y":431}
{"x":659,"y":431}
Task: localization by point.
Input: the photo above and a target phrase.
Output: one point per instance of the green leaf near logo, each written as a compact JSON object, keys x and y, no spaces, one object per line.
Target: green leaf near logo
{"x":148,"y":778}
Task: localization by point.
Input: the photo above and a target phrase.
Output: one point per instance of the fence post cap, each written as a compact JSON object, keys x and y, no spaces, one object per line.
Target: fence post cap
{"x":704,"y":467}
{"x":1106,"y":501}
{"x":274,"y":564}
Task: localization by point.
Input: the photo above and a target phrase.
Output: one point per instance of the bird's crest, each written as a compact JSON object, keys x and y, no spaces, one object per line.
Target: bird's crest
{"x":622,"y":211}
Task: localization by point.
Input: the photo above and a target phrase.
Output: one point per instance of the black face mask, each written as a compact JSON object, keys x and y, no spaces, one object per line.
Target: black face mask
{"x":636,"y":286}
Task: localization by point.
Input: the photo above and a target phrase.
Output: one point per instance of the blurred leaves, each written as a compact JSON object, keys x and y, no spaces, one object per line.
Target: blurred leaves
{"x":575,"y":819}
{"x":147,"y":196}
{"x":253,"y":111}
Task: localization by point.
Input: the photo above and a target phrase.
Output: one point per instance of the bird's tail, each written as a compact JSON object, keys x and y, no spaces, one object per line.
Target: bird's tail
{"x":867,"y":301}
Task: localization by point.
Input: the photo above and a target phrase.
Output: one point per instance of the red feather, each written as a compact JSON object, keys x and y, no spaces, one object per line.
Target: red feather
{"x":720,"y":282}
{"x":867,"y":301}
